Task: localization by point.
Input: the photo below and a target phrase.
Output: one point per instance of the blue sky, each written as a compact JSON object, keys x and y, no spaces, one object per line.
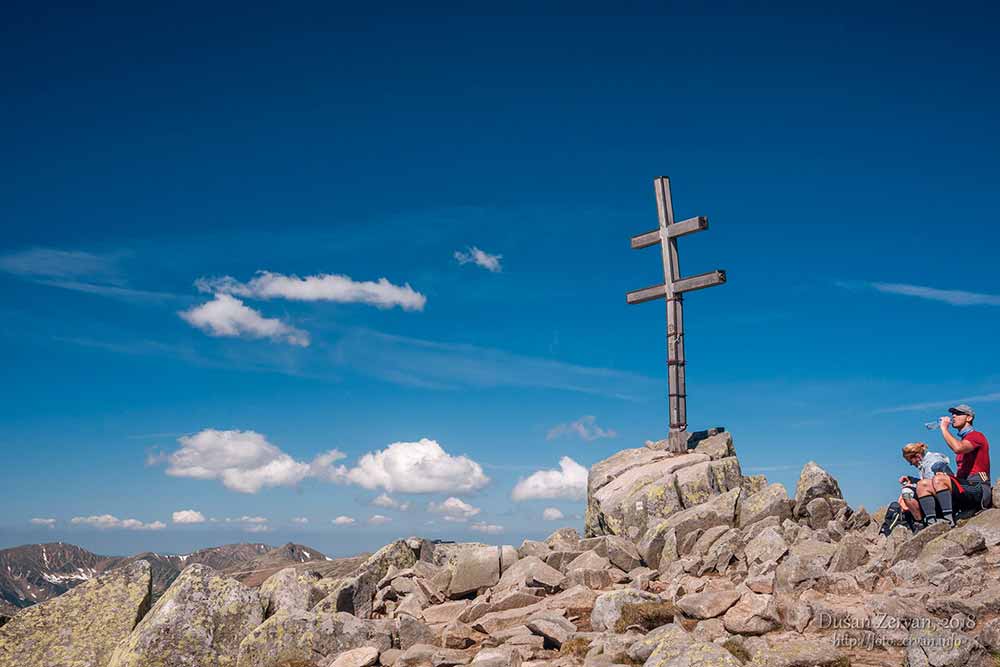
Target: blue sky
{"x":846,"y":159}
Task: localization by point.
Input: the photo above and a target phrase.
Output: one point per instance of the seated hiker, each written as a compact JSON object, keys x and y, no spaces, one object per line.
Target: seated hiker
{"x":971,"y":490}
{"x":933,"y":486}
{"x":916,"y":505}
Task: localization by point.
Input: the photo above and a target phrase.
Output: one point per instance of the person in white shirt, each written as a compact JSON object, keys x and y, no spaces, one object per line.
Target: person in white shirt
{"x":916,"y":505}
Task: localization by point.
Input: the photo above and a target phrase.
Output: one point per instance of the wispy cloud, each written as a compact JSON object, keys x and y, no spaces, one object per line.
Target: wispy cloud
{"x":50,"y":523}
{"x":487,"y":528}
{"x":480,"y":258}
{"x":113,"y":291}
{"x":55,"y":263}
{"x":91,"y":273}
{"x":344,"y":521}
{"x":251,"y":524}
{"x":430,"y":364}
{"x":928,"y":405}
{"x":953,"y":297}
{"x":585,"y":428}
{"x":323,"y":287}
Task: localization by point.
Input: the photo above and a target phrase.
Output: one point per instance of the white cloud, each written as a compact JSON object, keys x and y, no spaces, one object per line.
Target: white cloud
{"x":323,"y":287}
{"x":378,"y":520}
{"x":188,"y":516}
{"x":344,"y":521}
{"x":413,"y":467}
{"x":251,"y":524}
{"x":479,"y":257}
{"x":385,"y":500}
{"x":552,"y":514}
{"x":228,"y":316}
{"x":300,"y":520}
{"x":243,"y":461}
{"x":107,"y":521}
{"x":585,"y":428}
{"x":570,"y":481}
{"x":44,"y":522}
{"x":257,"y":528}
{"x":488,"y":528}
{"x":454,"y":509}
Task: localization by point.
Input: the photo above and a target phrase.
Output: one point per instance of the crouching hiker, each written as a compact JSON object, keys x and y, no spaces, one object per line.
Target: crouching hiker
{"x":970,"y":485}
{"x":918,"y":500}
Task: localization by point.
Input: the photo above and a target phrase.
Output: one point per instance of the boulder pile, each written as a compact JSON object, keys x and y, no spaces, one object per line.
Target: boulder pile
{"x":683,"y":562}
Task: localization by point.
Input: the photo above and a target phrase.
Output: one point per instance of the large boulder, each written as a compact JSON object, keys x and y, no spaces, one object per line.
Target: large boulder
{"x":626,"y":490}
{"x":530,"y":572}
{"x":290,"y":589}
{"x":793,"y":651}
{"x":693,"y":654}
{"x":752,"y":615}
{"x":200,"y":620}
{"x":476,"y":569}
{"x":304,"y":638}
{"x":81,"y":627}
{"x":357,"y":594}
{"x":770,"y":501}
{"x":807,"y":562}
{"x":608,"y":606}
{"x":719,"y":511}
{"x":940,"y":647}
{"x":707,"y":604}
{"x":987,"y":523}
{"x":852,"y":551}
{"x":767,"y":547}
{"x":814,"y":482}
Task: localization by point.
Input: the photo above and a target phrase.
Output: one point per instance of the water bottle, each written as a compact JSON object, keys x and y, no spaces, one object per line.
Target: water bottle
{"x":933,"y":426}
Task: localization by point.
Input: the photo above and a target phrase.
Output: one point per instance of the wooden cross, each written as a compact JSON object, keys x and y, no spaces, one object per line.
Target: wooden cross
{"x":672,"y":289}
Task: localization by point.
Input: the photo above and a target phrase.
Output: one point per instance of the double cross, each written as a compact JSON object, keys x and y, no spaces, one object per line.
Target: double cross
{"x":673,"y":289}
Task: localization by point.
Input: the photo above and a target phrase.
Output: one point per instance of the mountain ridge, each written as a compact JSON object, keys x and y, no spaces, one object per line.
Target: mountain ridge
{"x":33,"y":573}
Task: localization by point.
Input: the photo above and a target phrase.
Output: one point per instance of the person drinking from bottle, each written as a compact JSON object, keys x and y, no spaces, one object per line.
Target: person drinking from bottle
{"x":970,"y":485}
{"x":916,"y":503}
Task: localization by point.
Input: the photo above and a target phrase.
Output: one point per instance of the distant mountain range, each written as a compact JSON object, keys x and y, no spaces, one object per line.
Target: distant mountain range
{"x":34,"y":573}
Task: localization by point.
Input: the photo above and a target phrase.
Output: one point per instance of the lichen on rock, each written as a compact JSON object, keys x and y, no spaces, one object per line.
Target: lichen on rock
{"x":81,"y":627}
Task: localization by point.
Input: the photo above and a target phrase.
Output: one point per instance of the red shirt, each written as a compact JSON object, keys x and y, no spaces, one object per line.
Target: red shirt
{"x":976,"y":460}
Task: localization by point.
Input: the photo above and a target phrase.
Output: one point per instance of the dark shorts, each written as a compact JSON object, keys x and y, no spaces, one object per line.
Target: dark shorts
{"x":942,"y":467}
{"x":971,"y":498}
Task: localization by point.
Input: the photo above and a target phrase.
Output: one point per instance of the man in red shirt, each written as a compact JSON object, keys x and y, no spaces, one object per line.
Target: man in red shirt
{"x":972,"y":457}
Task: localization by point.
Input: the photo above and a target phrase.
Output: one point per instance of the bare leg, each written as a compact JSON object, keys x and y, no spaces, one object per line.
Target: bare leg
{"x":928,"y":503}
{"x":912,"y":506}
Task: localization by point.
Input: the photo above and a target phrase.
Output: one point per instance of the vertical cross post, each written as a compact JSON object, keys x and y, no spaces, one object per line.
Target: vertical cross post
{"x":673,"y":289}
{"x":676,"y":380}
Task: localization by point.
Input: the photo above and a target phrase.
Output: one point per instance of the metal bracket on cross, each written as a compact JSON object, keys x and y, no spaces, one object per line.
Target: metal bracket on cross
{"x":673,"y":289}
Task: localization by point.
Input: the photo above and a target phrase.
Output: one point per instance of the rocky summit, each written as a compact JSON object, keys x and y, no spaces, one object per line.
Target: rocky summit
{"x":683,"y":562}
